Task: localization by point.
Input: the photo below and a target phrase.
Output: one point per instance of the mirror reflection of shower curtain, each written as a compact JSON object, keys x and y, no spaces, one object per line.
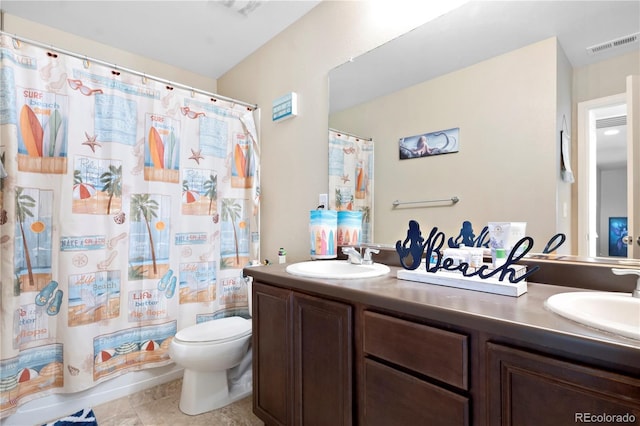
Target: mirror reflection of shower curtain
{"x":351,"y":177}
{"x":129,"y":210}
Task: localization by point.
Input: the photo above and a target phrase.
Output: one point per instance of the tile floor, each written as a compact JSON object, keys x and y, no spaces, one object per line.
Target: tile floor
{"x":159,"y":406}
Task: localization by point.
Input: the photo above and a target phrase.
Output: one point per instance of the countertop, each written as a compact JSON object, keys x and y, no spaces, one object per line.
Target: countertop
{"x":524,"y":319}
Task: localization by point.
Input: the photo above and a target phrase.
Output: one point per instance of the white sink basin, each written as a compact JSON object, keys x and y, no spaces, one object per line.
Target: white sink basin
{"x":336,"y":269}
{"x":617,"y":313}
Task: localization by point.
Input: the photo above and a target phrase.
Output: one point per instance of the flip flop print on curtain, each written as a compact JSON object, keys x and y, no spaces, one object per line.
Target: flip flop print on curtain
{"x":168,"y":284}
{"x":46,"y":295}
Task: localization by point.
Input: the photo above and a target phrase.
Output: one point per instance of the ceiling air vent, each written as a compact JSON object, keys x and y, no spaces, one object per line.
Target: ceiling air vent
{"x":620,"y":120}
{"x":622,"y":41}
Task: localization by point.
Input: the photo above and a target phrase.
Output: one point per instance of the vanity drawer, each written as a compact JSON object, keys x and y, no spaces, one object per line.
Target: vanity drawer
{"x":439,"y":354}
{"x":395,"y":398}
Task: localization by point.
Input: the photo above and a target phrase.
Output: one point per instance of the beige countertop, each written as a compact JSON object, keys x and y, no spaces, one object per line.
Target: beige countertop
{"x":524,"y":318}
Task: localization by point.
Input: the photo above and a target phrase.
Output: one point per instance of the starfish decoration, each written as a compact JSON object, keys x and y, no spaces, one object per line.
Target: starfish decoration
{"x":91,"y":142}
{"x":345,"y":178}
{"x":196,"y":156}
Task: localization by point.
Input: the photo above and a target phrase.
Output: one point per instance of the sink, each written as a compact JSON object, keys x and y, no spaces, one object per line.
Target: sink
{"x":617,"y":313}
{"x":336,"y":269}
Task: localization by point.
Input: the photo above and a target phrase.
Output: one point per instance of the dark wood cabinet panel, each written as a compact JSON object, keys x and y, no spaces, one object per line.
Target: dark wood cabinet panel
{"x":302,"y":358}
{"x":272,"y":359}
{"x":322,"y":361}
{"x":395,"y":398}
{"x":530,"y":389}
{"x":436,"y":353}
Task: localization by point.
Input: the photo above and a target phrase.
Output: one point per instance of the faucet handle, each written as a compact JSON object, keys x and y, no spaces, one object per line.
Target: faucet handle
{"x":353,"y":254}
{"x":619,"y":271}
{"x":367,"y":253}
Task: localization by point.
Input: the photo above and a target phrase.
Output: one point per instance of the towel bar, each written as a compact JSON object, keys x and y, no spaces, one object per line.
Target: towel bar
{"x":453,"y":200}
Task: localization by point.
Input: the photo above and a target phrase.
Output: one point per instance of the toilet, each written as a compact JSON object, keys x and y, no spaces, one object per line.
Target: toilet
{"x":216,"y":357}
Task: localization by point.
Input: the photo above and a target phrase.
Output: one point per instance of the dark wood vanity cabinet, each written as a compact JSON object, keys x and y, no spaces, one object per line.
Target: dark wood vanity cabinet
{"x":413,"y":374}
{"x":526,"y":388}
{"x":302,"y":349}
{"x":322,"y":361}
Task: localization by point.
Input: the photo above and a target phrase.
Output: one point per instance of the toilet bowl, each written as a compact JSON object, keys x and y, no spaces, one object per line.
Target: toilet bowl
{"x":217,"y":363}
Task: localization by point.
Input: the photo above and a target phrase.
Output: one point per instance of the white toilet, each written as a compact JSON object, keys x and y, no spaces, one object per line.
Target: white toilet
{"x":217,"y":363}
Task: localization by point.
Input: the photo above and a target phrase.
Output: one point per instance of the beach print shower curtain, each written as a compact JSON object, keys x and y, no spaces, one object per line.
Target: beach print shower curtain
{"x":129,"y":208}
{"x":351,"y":178}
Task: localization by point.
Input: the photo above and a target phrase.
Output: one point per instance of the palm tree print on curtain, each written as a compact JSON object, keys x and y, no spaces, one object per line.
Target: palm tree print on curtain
{"x":234,"y":250}
{"x":97,"y":186}
{"x":211,"y":192}
{"x":33,"y":238}
{"x":199,"y":192}
{"x":111,"y":180}
{"x":148,"y":227}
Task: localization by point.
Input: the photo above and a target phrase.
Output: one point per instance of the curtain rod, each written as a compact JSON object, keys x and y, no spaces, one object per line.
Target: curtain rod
{"x":350,"y":134}
{"x":119,"y":68}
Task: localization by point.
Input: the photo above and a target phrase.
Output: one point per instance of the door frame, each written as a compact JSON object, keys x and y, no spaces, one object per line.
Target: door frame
{"x":587,"y":174}
{"x":633,"y":160}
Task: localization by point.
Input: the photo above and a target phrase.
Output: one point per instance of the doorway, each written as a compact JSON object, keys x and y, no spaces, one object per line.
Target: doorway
{"x":602,"y":184}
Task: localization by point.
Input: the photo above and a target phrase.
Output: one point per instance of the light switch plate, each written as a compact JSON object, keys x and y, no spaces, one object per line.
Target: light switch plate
{"x":323,"y":200}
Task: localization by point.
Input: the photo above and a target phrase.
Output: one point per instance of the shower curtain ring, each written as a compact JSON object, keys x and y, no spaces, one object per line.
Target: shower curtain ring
{"x":86,"y":63}
{"x":144,"y":79}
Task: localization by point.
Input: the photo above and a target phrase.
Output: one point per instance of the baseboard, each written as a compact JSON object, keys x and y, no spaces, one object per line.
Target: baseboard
{"x":52,"y":407}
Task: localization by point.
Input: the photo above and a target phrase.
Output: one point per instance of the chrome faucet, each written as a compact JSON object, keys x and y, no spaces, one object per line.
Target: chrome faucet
{"x":636,"y":292}
{"x":354,"y":255}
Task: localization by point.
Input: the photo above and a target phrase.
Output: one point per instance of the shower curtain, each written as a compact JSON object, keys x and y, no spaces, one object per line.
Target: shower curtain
{"x":351,"y":177}
{"x":129,"y":208}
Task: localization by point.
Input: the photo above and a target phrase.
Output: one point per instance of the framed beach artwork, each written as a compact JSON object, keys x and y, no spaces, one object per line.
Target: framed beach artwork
{"x":428,"y":144}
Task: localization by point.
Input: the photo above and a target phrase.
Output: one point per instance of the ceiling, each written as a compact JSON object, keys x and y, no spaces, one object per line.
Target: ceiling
{"x":205,"y":37}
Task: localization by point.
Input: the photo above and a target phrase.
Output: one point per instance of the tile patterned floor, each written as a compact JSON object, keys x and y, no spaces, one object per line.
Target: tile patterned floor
{"x":158,"y":406}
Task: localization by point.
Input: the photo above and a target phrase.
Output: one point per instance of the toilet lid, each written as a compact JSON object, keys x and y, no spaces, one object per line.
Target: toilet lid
{"x":218,"y":330}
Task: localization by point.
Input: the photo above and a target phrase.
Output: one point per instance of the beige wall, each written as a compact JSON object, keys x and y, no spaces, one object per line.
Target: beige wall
{"x":604,"y":78}
{"x":565,"y":211}
{"x":505,"y":169}
{"x":81,"y":46}
{"x":294,"y":153}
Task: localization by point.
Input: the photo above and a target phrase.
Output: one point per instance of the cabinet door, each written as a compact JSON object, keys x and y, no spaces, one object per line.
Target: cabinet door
{"x":322,"y":361}
{"x":392,"y":397}
{"x":272,"y":372}
{"x":531,"y":389}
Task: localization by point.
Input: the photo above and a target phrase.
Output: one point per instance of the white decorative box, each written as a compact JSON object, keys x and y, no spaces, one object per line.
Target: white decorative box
{"x":475,"y":283}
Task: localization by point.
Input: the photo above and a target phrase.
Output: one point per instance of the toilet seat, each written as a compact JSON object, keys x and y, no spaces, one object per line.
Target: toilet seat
{"x":216,"y":331}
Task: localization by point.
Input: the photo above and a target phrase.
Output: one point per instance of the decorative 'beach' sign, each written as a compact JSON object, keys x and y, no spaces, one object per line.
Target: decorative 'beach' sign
{"x":414,"y":245}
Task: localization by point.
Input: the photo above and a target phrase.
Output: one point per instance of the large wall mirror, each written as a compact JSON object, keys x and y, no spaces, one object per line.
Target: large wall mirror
{"x":509,"y":75}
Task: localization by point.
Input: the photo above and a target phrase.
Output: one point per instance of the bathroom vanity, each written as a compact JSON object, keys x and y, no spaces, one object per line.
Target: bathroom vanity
{"x":383,"y":351}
